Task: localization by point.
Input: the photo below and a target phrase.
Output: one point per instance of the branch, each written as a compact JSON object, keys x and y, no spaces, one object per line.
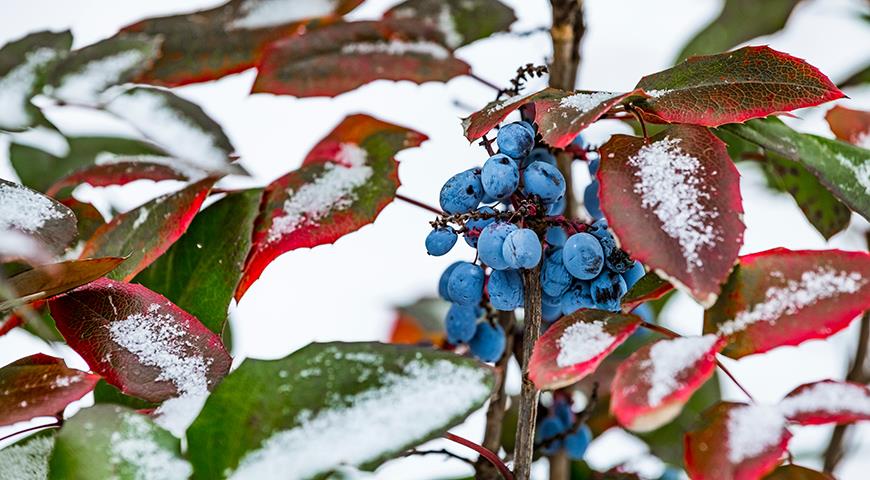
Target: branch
{"x":420,"y":204}
{"x":525,"y":443}
{"x":443,"y":451}
{"x":493,"y":458}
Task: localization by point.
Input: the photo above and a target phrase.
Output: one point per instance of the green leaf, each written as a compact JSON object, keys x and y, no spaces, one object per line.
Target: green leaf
{"x":23,"y":66}
{"x":739,"y":21}
{"x":858,"y":78}
{"x":460,"y":21}
{"x":200,"y":272}
{"x":39,"y":169}
{"x":28,"y":458}
{"x":105,"y":392}
{"x":328,"y":404}
{"x":844,"y":169}
{"x":820,"y":207}
{"x":109,"y":441}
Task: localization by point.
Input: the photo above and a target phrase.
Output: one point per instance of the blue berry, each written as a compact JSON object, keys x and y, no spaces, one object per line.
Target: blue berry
{"x":593,"y":166}
{"x":539,"y":154}
{"x":461,"y":322}
{"x":474,"y":227}
{"x":551,"y":312}
{"x":646,"y":313}
{"x":607,"y":290}
{"x":577,"y":297}
{"x":562,"y":409}
{"x":614,"y":258}
{"x":579,"y":141}
{"x":671,"y":473}
{"x":577,"y":442}
{"x":556,"y":236}
{"x":591,"y":202}
{"x":515,"y":140}
{"x":555,"y":278}
{"x":543,"y":180}
{"x":522,"y":249}
{"x":549,"y":428}
{"x":500,"y":176}
{"x":557,"y":207}
{"x":505,"y":290}
{"x":635,"y":273}
{"x":445,"y":277}
{"x":462,"y":192}
{"x":488,"y":342}
{"x":490,"y":243}
{"x":465,"y":286}
{"x":440,"y":241}
{"x":583,"y":256}
{"x":528,"y":126}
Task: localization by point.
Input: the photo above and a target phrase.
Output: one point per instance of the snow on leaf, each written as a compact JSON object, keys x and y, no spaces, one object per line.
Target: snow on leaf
{"x":827,"y":402}
{"x":27,"y":459}
{"x":345,"y":181}
{"x":27,"y":213}
{"x":782,"y":297}
{"x":574,"y":346}
{"x":674,"y":203}
{"x":562,"y":115}
{"x":109,"y":169}
{"x":460,"y":21}
{"x":482,"y":121}
{"x":652,"y":385}
{"x":258,"y":14}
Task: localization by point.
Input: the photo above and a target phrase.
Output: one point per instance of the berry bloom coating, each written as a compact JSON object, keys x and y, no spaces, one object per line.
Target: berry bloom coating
{"x":529,"y":126}
{"x":633,"y":274}
{"x":465,"y":286}
{"x":591,"y":202}
{"x":593,"y":166}
{"x":577,"y":297}
{"x":548,"y":428}
{"x":522,"y":249}
{"x":440,"y":241}
{"x":490,"y":243}
{"x":539,"y":154}
{"x":583,"y":256}
{"x":474,"y":227}
{"x":505,"y":290}
{"x":576,"y":443}
{"x":445,"y":277}
{"x":461,"y":322}
{"x":555,"y":278}
{"x":607,"y":289}
{"x":556,"y":235}
{"x":551,"y":313}
{"x":462,"y":192}
{"x":488,"y":342}
{"x":515,"y":140}
{"x":557,"y":207}
{"x":500,"y":176}
{"x":544,"y":180}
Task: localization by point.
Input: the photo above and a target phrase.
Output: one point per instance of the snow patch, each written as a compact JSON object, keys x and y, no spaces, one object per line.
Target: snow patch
{"x":43,"y":138}
{"x":17,"y":85}
{"x":751,"y":430}
{"x":447,"y":26}
{"x":657,"y":93}
{"x":862,"y":139}
{"x":133,"y":445}
{"x":584,"y":102}
{"x":861,"y":171}
{"x":814,"y":285}
{"x":420,"y":400}
{"x":271,"y":13}
{"x":670,"y":186}
{"x":86,"y":85}
{"x":582,"y":342}
{"x":192,"y":173}
{"x":24,"y":210}
{"x":668,"y":358}
{"x":397,"y":47}
{"x":827,"y":397}
{"x":19,"y":245}
{"x":26,"y":461}
{"x":333,"y":190}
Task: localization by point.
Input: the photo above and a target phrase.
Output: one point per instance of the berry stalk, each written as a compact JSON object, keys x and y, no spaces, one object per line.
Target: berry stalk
{"x":525,"y":443}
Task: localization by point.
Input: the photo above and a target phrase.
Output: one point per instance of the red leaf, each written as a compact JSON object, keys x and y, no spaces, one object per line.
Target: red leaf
{"x":736,"y":442}
{"x":674,"y":203}
{"x":40,"y":386}
{"x":45,"y":281}
{"x":574,"y":346}
{"x":139,"y":341}
{"x":851,"y":126}
{"x":733,"y":87}
{"x":827,"y":401}
{"x":649,"y":287}
{"x":561,"y":115}
{"x":652,"y":385}
{"x":342,"y":185}
{"x":33,"y":227}
{"x":479,"y":123}
{"x":317,"y":63}
{"x":121,"y":173}
{"x":145,"y":232}
{"x":783,"y":297}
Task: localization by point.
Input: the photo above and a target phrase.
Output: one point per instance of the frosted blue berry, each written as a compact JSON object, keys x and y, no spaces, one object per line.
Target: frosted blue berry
{"x":577,"y":442}
{"x":556,"y":236}
{"x":577,"y":297}
{"x":550,"y":312}
{"x":515,"y":140}
{"x":528,"y":126}
{"x":543,"y":180}
{"x":462,"y":193}
{"x":555,"y":278}
{"x":461,"y":322}
{"x":488,"y":342}
{"x":500,"y":176}
{"x":635,"y":273}
{"x":522,"y":249}
{"x":562,"y":410}
{"x":548,"y":430}
{"x":607,"y":290}
{"x":445,"y":277}
{"x":474,"y":227}
{"x":591,"y":202}
{"x":539,"y":154}
{"x":490,"y":243}
{"x":557,"y":207}
{"x":505,"y":290}
{"x":440,"y":241}
{"x":465,"y":286}
{"x":583,"y":256}
{"x":593,"y":166}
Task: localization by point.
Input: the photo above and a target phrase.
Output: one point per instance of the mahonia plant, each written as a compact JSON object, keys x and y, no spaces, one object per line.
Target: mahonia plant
{"x":142,"y":297}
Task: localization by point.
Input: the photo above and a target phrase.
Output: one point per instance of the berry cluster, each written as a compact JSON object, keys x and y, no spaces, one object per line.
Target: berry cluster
{"x":504,"y":210}
{"x":559,"y":430}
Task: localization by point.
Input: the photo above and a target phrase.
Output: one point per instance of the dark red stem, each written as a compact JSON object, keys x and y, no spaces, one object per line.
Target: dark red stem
{"x":420,"y":204}
{"x":493,"y":458}
{"x":55,"y":424}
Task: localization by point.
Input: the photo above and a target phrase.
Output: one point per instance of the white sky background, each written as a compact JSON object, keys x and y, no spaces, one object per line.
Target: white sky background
{"x":345,"y":291}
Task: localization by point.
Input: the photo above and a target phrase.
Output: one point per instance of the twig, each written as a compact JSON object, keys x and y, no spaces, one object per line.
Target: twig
{"x":419,"y":204}
{"x":493,"y":458}
{"x":485,"y":82}
{"x":443,"y":451}
{"x":56,"y":424}
{"x":525,"y":442}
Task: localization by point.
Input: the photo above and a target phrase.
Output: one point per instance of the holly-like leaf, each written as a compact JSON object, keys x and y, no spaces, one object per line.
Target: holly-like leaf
{"x":561,"y":115}
{"x":459,"y":21}
{"x":145,"y":232}
{"x":782,"y":297}
{"x":209,"y":44}
{"x":39,"y":169}
{"x":649,"y":287}
{"x":317,"y":63}
{"x":332,"y":404}
{"x":88,"y":72}
{"x":739,"y":21}
{"x":736,"y":442}
{"x":843,"y":168}
{"x":827,"y":401}
{"x":32,"y":224}
{"x":46,"y":281}
{"x":851,"y":126}
{"x":200,"y":272}
{"x":797,"y":472}
{"x":674,"y":203}
{"x":482,"y":121}
{"x":23,"y":67}
{"x":344,"y":182}
{"x":123,"y":170}
{"x":144,"y":345}
{"x":575,"y":345}
{"x":750,"y":82}
{"x":653,"y":384}
{"x":40,"y":386}
{"x":109,"y":441}
{"x":819,"y":206}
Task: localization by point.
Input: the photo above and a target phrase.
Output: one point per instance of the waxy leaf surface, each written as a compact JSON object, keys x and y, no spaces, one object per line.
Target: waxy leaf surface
{"x":459,"y":21}
{"x":482,"y":121}
{"x":121,"y":172}
{"x":827,"y":401}
{"x":46,"y":281}
{"x":561,"y":115}
{"x":649,"y":287}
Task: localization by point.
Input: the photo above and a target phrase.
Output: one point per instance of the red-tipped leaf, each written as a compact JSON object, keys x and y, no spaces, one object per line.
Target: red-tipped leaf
{"x":123,"y":172}
{"x":561,"y":115}
{"x":827,"y":401}
{"x":650,"y":287}
{"x":45,"y":281}
{"x":482,"y":121}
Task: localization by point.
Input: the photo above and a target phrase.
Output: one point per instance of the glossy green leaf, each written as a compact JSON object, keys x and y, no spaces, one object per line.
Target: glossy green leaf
{"x":460,"y":21}
{"x":329,"y":404}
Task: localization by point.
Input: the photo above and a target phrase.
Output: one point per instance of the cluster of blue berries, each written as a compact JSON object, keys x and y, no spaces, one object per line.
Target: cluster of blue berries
{"x":558,"y":430}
